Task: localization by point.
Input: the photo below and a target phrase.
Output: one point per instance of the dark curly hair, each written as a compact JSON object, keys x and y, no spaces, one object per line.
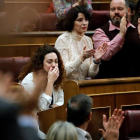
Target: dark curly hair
{"x":72,"y":16}
{"x":36,"y":63}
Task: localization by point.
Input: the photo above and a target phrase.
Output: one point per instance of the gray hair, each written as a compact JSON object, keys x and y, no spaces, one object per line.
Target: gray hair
{"x":62,"y":131}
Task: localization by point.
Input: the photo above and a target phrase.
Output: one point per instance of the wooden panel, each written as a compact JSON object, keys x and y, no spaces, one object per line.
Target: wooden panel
{"x":14,"y":7}
{"x":34,"y":38}
{"x":105,"y":92}
{"x":127,"y":99}
{"x":102,"y":101}
{"x":48,"y":117}
{"x":96,"y":121}
{"x":131,"y":107}
{"x":42,"y":5}
{"x":33,"y":49}
{"x":14,"y":51}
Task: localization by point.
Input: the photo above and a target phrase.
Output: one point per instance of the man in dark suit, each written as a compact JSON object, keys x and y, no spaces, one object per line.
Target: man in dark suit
{"x":12,"y":125}
{"x":122,"y":56}
{"x":79,"y":113}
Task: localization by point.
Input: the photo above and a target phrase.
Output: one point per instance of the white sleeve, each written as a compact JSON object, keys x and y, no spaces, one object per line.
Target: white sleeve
{"x":44,"y":101}
{"x":94,"y":68}
{"x":60,"y":98}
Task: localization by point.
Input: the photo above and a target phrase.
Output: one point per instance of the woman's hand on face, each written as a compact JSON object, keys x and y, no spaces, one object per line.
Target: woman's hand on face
{"x":100,"y":51}
{"x":53,"y":74}
{"x":87,"y":53}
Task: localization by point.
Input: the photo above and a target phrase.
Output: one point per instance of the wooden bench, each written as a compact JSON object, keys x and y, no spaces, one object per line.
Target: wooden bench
{"x":107,"y":94}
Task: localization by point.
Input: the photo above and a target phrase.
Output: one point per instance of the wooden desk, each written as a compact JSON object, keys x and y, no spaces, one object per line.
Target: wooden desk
{"x":33,"y":37}
{"x":107,"y":94}
{"x":24,"y":43}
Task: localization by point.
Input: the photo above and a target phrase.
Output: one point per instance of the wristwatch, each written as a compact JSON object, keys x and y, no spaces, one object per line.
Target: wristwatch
{"x":97,"y":63}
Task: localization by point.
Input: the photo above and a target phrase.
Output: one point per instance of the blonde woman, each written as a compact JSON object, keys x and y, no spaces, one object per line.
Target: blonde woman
{"x":62,"y":131}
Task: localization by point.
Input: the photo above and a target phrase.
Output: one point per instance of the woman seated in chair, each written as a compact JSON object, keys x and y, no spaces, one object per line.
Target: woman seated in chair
{"x":62,"y":7}
{"x":76,"y":49}
{"x":45,"y":61}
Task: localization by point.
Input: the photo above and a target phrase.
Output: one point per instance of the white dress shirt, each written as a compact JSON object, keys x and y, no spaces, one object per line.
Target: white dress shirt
{"x":44,"y":100}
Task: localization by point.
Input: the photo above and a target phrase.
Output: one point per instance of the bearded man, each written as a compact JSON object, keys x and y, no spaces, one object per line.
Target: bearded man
{"x":122,"y":57}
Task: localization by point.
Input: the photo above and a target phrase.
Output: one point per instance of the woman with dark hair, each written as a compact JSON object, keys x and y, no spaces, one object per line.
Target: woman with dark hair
{"x":62,"y":7}
{"x":45,"y":61}
{"x":76,"y":49}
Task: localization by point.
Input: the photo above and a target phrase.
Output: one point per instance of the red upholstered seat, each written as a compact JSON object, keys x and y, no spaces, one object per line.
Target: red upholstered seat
{"x":48,"y":20}
{"x":130,"y":129}
{"x":99,"y":18}
{"x":13,"y":65}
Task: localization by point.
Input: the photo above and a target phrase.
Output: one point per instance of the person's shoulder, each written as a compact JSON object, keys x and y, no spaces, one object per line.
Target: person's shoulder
{"x":28,"y":77}
{"x":64,"y":35}
{"x":63,"y":38}
{"x":87,"y":38}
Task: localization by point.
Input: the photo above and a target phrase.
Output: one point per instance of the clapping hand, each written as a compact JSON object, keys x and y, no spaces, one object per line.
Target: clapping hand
{"x":100,"y":51}
{"x":113,"y":125}
{"x":123,"y":25}
{"x":87,"y":53}
{"x":112,"y":130}
{"x":118,"y":113}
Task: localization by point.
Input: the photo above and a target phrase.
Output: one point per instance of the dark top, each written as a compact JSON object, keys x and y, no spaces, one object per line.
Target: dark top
{"x":9,"y":128}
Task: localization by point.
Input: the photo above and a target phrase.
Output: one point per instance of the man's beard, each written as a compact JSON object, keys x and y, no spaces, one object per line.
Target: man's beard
{"x":118,"y":21}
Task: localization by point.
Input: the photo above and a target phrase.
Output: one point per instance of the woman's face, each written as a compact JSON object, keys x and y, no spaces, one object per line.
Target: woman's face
{"x":50,"y":60}
{"x":80,"y":24}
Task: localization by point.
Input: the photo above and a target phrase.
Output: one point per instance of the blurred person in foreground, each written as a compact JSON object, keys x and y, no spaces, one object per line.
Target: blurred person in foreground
{"x":27,"y":20}
{"x":16,"y":119}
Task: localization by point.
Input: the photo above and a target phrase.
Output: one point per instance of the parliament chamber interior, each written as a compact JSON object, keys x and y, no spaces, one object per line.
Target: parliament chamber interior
{"x":16,"y":49}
